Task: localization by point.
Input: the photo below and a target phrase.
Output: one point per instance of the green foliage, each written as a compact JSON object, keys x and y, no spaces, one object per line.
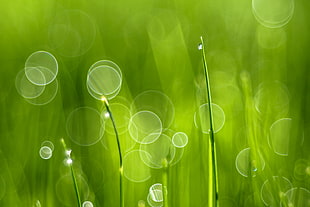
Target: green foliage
{"x":258,"y":73}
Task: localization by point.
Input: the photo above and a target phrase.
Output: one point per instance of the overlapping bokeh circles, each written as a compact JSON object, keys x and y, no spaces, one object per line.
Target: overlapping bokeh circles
{"x":145,"y":127}
{"x":179,"y":144}
{"x":85,"y":126}
{"x":153,"y":203}
{"x":48,"y":144}
{"x":156,"y":192}
{"x":41,"y":68}
{"x":106,"y":86}
{"x":71,"y":33}
{"x":121,"y":115}
{"x":274,"y":189}
{"x":273,"y":14}
{"x":155,"y":195}
{"x":156,"y":102}
{"x":37,"y":83}
{"x":26,"y":88}
{"x":296,"y":197}
{"x":159,"y":152}
{"x":47,"y":96}
{"x":46,"y":150}
{"x":104,"y":78}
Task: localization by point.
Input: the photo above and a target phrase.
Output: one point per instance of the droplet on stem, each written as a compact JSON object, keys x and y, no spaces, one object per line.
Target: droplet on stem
{"x":68,"y":161}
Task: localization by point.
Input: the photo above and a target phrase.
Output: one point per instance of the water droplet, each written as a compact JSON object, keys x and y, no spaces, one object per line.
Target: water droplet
{"x":106,"y":115}
{"x":254,"y":168}
{"x":68,"y":161}
{"x":68,"y":152}
{"x":200,"y":46}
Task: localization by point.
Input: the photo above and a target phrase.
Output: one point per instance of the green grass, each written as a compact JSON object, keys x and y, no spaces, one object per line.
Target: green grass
{"x":121,"y":194}
{"x":213,"y":182}
{"x":257,"y":75}
{"x":69,"y":162}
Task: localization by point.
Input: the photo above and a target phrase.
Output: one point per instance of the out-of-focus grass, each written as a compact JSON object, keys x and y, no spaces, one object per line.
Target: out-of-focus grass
{"x":155,"y":45}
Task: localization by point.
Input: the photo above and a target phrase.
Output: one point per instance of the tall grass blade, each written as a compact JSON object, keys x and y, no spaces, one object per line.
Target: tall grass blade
{"x":165,"y":182}
{"x":106,"y":103}
{"x":76,"y":188}
{"x":213,"y":183}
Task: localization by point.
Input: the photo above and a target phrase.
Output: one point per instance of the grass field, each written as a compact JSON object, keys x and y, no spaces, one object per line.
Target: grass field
{"x":68,"y":68}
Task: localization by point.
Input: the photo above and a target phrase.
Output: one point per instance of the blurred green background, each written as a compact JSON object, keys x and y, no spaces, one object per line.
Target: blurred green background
{"x":259,"y":72}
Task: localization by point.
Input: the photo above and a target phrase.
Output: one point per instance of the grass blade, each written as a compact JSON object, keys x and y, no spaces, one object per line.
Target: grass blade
{"x":76,"y":188}
{"x":213,"y":184}
{"x":106,"y":103}
{"x":165,"y":182}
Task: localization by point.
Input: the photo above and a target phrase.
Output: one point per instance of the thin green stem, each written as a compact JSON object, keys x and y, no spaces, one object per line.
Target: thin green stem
{"x":165,"y":182}
{"x":106,"y":103}
{"x":76,"y":188}
{"x":212,"y":141}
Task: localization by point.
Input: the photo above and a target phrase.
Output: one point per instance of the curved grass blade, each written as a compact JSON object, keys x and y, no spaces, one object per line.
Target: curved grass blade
{"x":106,"y":103}
{"x":213,"y":182}
{"x":76,"y":187}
